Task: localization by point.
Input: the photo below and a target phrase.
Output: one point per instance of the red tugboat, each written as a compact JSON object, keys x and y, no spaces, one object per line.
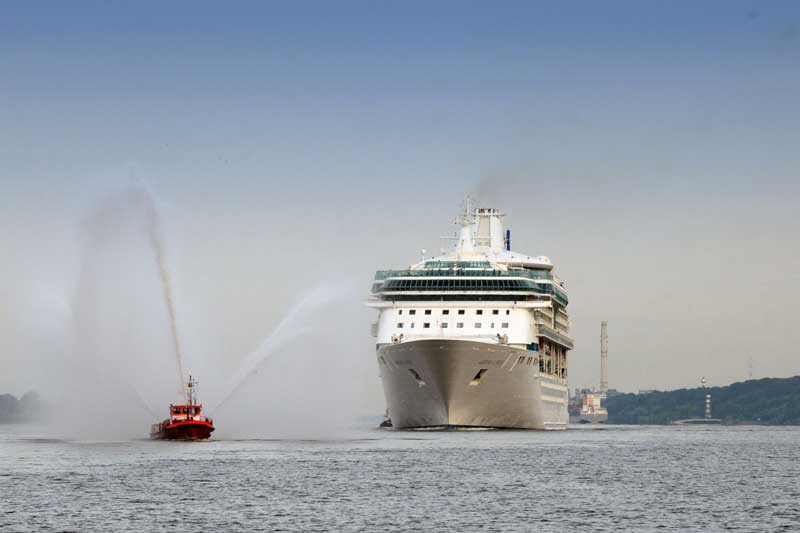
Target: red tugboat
{"x":186,"y":421}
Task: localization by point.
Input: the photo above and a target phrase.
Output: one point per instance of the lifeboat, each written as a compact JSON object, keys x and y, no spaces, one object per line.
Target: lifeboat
{"x":186,"y":421}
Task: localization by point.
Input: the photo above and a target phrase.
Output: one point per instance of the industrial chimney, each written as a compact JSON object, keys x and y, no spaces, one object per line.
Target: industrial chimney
{"x":604,"y":356}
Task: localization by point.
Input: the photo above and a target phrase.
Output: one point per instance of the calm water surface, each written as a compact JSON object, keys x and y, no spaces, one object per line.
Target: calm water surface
{"x":614,"y":479}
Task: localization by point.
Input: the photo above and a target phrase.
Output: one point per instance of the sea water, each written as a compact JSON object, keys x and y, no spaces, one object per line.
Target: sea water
{"x":701,"y":478}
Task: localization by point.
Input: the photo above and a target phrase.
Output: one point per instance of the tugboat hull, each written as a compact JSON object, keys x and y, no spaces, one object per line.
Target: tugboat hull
{"x":191,"y":430}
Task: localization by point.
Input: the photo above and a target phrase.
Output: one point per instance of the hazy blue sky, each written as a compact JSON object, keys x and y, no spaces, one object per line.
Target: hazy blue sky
{"x":650,"y":149}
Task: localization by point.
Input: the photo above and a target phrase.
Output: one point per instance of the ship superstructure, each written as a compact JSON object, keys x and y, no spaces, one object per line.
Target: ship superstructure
{"x":477,"y":337}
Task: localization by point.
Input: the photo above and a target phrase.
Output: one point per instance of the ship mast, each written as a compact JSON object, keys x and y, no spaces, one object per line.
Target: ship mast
{"x":465,"y":220}
{"x":191,"y":391}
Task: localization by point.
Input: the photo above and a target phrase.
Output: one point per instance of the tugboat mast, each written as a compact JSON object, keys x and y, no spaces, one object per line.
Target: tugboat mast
{"x":191,"y":391}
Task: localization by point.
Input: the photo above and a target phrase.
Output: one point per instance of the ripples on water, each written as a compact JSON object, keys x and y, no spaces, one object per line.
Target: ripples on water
{"x":618,"y":478}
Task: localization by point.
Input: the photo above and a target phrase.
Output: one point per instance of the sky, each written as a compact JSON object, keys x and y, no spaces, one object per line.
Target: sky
{"x":649,"y":149}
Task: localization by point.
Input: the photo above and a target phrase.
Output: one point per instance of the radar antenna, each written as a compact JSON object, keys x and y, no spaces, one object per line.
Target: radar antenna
{"x":467,"y":218}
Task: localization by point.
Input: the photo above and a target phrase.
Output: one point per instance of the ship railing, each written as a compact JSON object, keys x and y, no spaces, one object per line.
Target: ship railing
{"x":184,"y":418}
{"x":381,"y":275}
{"x":490,"y":338}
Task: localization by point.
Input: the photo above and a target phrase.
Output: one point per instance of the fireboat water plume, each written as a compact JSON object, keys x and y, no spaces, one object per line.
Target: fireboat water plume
{"x":157,"y":243}
{"x":309,"y":385}
{"x":291,"y":327}
{"x":115,"y":370}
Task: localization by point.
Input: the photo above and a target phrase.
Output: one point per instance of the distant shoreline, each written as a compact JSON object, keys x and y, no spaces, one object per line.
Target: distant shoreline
{"x":28,"y":408}
{"x":761,"y":402}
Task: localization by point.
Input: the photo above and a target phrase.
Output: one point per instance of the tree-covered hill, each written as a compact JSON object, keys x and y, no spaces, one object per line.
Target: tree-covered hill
{"x":764,"y":401}
{"x":25,"y":409}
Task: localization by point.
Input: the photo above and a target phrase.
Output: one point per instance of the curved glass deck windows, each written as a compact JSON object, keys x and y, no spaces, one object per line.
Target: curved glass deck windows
{"x":393,"y":285}
{"x":461,"y":285}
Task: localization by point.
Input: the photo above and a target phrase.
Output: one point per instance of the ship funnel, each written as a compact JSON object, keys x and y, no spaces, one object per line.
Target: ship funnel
{"x":490,"y":228}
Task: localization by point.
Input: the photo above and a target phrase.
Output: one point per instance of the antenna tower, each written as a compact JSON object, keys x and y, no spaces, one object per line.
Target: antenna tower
{"x":603,"y":356}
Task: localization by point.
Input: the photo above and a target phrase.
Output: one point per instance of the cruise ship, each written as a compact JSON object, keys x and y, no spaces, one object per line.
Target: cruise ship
{"x":477,"y":337}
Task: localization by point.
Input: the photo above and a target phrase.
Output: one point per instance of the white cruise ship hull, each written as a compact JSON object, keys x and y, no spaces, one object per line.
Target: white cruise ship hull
{"x":431,"y":383}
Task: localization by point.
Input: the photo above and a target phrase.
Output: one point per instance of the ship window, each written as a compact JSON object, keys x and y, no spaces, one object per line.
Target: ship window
{"x":460,"y":311}
{"x":504,"y":325}
{"x":477,"y":325}
{"x":508,"y":311}
{"x":495,"y":311}
{"x":399,"y":325}
{"x":445,"y":311}
{"x":460,"y":325}
{"x":412,"y":312}
{"x":492,"y":325}
{"x":427,"y":311}
{"x":412,"y":325}
{"x":426,"y":325}
{"x":400,"y":312}
{"x":444,"y":324}
{"x":479,"y":312}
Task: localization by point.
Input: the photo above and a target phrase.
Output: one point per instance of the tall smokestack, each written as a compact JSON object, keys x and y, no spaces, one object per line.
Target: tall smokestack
{"x":603,"y":356}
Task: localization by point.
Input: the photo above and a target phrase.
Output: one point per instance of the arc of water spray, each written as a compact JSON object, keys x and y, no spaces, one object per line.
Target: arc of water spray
{"x":318,"y":297}
{"x":156,"y":242}
{"x":140,"y":401}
